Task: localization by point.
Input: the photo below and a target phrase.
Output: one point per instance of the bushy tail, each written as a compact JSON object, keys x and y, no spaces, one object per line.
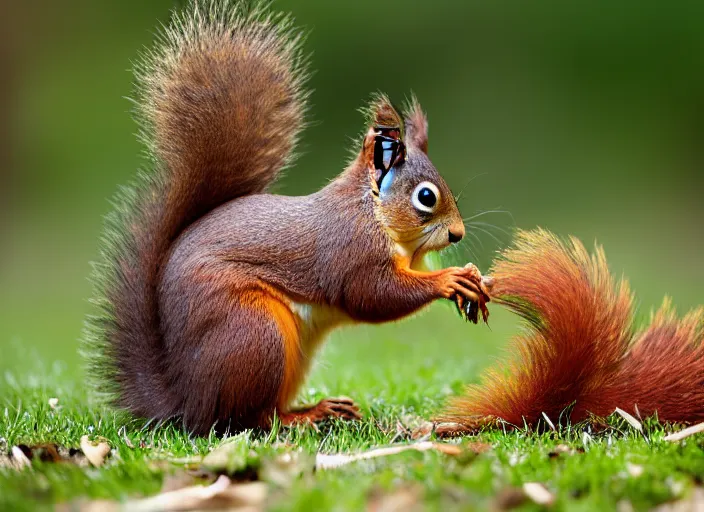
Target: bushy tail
{"x":221,"y":102}
{"x":579,"y":354}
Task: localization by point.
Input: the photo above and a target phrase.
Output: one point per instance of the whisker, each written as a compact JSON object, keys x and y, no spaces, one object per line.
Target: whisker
{"x":485,"y":212}
{"x":498,"y":240}
{"x":471,"y":249}
{"x":488,"y":225}
{"x":459,"y":196}
{"x":472,"y":233}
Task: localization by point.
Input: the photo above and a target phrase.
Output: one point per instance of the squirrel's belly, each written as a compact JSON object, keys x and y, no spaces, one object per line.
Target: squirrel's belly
{"x":315,"y":322}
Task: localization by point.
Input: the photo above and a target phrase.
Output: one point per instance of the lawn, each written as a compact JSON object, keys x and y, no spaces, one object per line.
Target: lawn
{"x":399,"y":374}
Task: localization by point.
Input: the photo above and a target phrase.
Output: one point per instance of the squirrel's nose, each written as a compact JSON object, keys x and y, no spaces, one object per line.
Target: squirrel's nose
{"x":456,"y":233}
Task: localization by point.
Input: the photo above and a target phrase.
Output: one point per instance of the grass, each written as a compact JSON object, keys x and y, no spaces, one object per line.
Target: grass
{"x":397,"y":374}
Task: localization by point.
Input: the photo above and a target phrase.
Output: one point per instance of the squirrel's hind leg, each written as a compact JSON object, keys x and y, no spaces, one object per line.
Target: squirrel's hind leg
{"x":239,"y":360}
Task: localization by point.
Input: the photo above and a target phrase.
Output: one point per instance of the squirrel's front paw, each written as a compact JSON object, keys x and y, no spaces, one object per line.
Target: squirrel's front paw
{"x":469,"y":290}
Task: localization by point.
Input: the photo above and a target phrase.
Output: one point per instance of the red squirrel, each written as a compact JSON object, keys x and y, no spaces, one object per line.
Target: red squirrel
{"x":580,"y":355}
{"x":213,"y":294}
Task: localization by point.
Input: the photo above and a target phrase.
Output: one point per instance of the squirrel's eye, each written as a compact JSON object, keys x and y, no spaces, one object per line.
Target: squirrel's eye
{"x":425,"y":197}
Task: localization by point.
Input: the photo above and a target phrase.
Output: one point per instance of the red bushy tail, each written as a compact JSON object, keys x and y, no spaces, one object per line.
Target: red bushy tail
{"x":221,"y":101}
{"x":579,"y":350}
{"x":663,"y":372}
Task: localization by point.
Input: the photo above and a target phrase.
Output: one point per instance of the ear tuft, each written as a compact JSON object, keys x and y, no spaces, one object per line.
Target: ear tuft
{"x":381,"y":112}
{"x":416,"y":125}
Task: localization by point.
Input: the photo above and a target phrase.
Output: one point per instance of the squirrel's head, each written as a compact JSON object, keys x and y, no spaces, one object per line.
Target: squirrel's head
{"x":413,"y":203}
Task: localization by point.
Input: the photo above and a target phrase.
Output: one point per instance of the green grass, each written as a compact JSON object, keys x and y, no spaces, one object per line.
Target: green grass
{"x":397,"y":373}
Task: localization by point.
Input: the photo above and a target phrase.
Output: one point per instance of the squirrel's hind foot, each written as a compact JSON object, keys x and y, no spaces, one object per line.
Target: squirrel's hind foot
{"x":340,"y":407}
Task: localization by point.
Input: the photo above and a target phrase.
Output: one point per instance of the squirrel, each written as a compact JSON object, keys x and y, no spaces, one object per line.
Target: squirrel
{"x":213,"y":295}
{"x":580,"y":356}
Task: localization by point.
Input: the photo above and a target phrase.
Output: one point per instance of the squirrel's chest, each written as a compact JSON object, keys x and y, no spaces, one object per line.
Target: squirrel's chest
{"x":315,"y":322}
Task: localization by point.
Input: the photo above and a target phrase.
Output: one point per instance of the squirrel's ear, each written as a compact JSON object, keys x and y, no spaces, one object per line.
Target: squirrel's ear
{"x":416,"y":125}
{"x":382,"y":119}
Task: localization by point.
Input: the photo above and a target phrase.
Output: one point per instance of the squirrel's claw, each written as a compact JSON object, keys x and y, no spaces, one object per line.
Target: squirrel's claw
{"x":469,"y":309}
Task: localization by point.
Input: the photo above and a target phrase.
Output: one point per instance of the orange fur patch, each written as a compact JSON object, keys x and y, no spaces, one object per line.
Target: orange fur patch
{"x":294,"y":370}
{"x":275,"y":305}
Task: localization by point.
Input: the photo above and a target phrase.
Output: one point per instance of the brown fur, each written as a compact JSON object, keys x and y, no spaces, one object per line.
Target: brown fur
{"x":223,"y":292}
{"x":216,"y":136}
{"x":579,"y":347}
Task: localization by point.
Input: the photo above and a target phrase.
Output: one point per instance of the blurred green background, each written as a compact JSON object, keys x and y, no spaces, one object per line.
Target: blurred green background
{"x":586,"y":118}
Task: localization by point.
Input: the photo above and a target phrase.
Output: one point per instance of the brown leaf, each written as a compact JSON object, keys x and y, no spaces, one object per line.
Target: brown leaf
{"x":405,"y":499}
{"x":95,"y":452}
{"x":477,"y":447}
{"x":221,"y":495}
{"x":561,"y":449}
{"x":509,"y":498}
{"x":449,"y":429}
{"x":179,"y":480}
{"x":422,"y":430}
{"x":21,"y":455}
{"x":448,"y":449}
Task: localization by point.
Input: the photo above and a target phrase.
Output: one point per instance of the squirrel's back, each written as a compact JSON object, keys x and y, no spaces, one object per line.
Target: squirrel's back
{"x":221,"y":103}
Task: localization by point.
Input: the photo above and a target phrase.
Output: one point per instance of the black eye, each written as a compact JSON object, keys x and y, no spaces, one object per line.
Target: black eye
{"x":426,"y":197}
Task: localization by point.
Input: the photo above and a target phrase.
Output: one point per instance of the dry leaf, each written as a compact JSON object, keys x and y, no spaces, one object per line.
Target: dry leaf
{"x":510,"y":498}
{"x":22,"y":455}
{"x":405,"y":499}
{"x":635,"y":470}
{"x":549,"y":422}
{"x":95,"y":452}
{"x":233,"y":455}
{"x":624,"y":506}
{"x":19,"y":459}
{"x":324,"y":461}
{"x":477,"y":447}
{"x":538,"y":493}
{"x":692,"y":503}
{"x":179,"y":480}
{"x":54,"y":403}
{"x":221,"y":495}
{"x":683,"y":434}
{"x":586,"y":439}
{"x":449,"y":429}
{"x":423,"y":430}
{"x":560,"y":449}
{"x":286,"y":468}
{"x":630,"y":419}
